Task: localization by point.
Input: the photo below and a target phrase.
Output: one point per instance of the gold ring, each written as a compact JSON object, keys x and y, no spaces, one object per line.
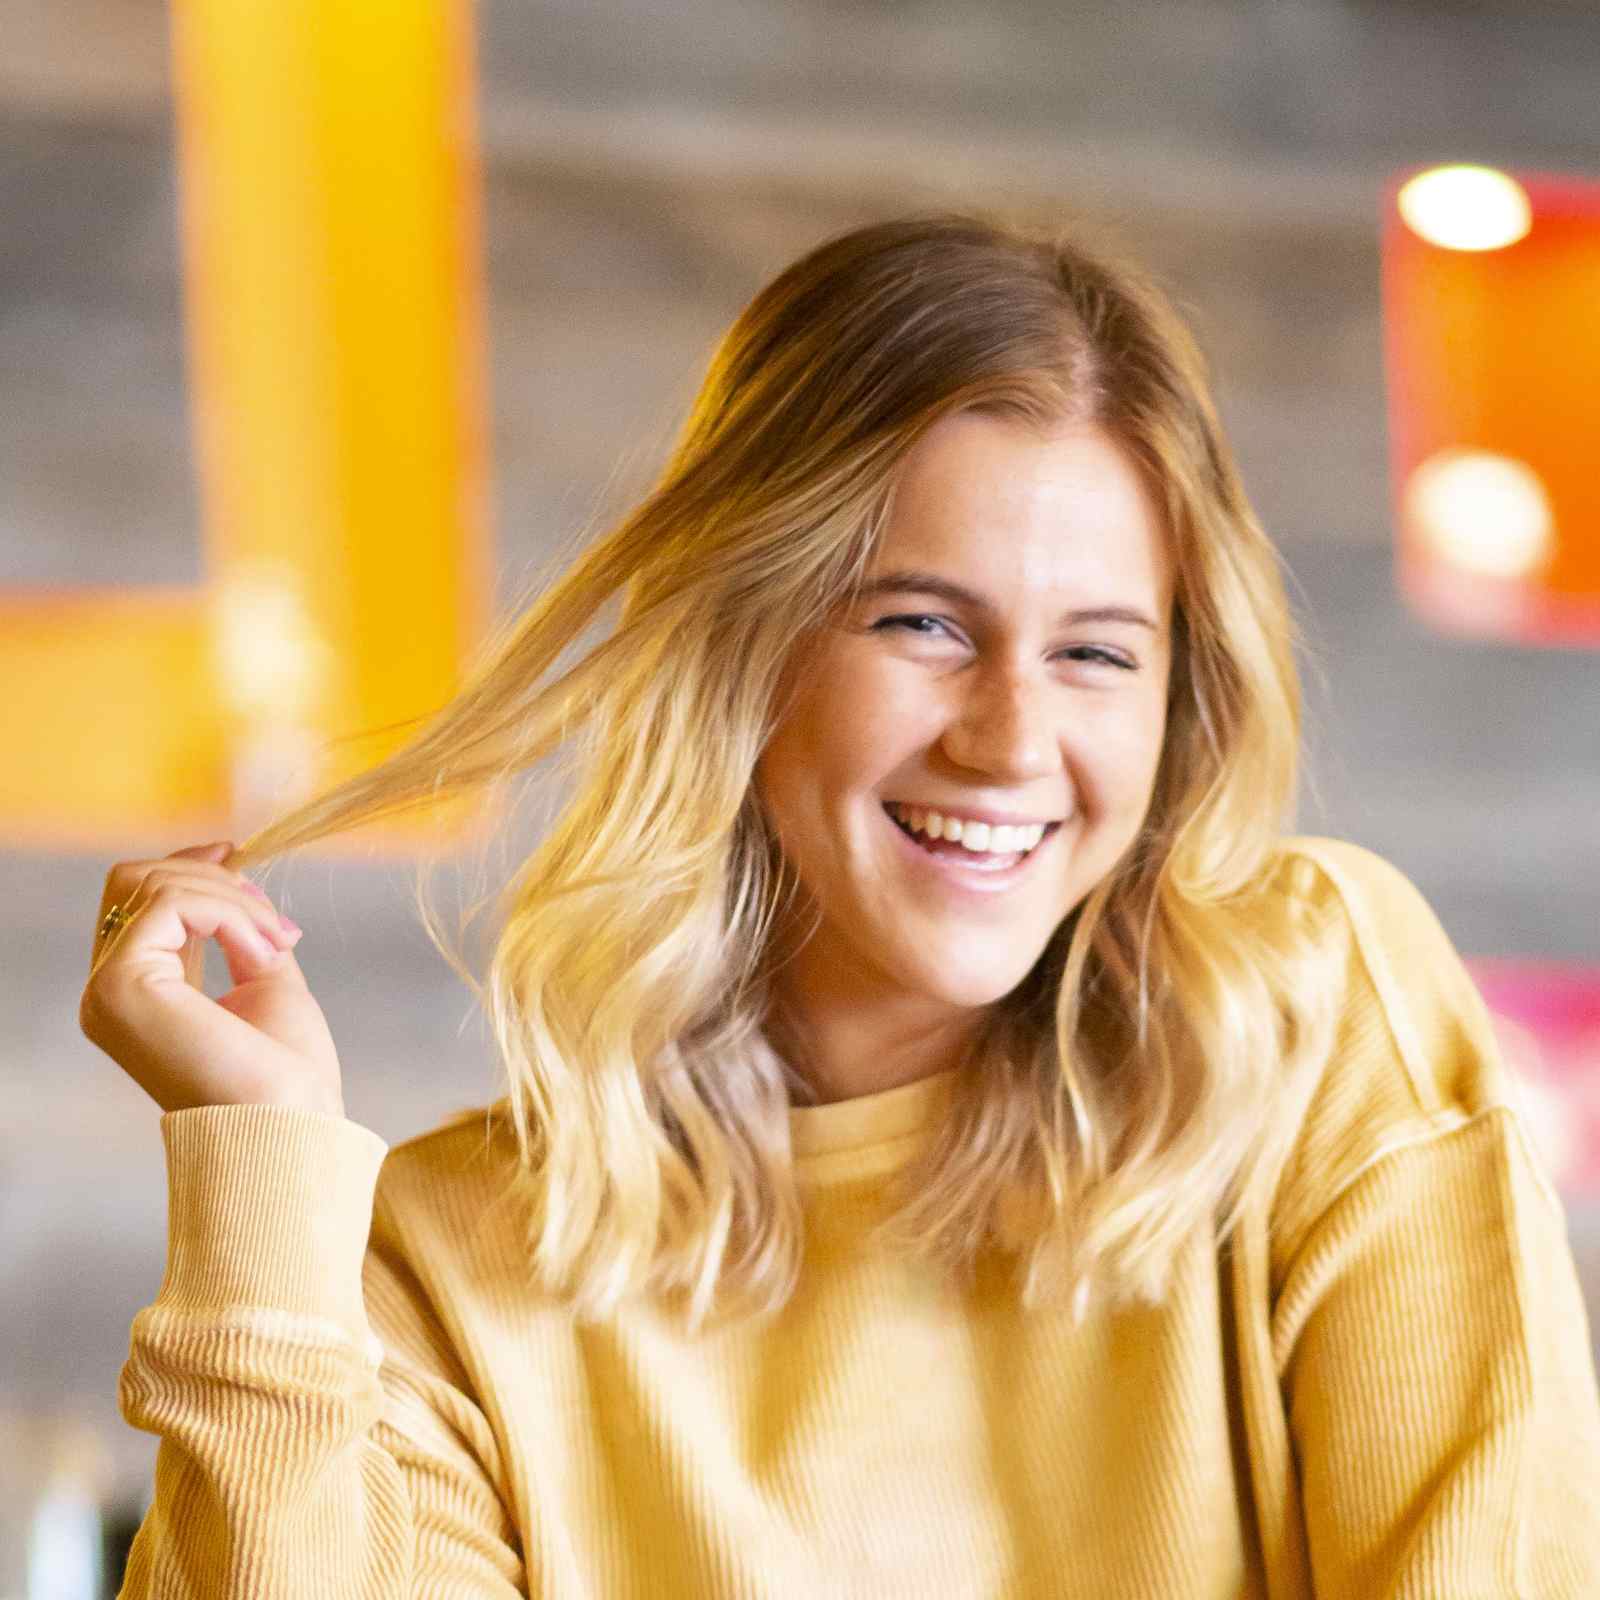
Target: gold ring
{"x":115,"y":918}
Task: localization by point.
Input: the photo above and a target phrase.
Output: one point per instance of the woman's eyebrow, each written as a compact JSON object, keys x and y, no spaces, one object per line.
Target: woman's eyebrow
{"x":953,"y":593}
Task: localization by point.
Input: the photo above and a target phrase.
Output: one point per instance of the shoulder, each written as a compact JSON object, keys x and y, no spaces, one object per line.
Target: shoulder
{"x":1408,"y":1003}
{"x":1411,"y":1053}
{"x":1373,"y":894}
{"x":1368,"y":900}
{"x":442,"y":1194}
{"x":445,"y":1249}
{"x":462,"y":1153}
{"x":434,"y":1265}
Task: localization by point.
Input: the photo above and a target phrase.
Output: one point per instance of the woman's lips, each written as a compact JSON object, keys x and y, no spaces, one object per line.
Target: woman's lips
{"x":954,"y":873}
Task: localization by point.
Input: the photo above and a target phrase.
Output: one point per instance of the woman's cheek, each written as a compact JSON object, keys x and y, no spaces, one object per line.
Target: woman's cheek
{"x":1129,"y":752}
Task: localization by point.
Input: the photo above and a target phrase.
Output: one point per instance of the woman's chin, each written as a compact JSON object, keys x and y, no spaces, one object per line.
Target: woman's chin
{"x":974,"y":987}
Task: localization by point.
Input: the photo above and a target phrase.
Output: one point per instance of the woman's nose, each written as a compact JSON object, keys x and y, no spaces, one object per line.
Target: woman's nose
{"x":1004,"y":728}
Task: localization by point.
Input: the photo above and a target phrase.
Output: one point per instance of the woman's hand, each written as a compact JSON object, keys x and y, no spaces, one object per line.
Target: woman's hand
{"x":265,"y":1042}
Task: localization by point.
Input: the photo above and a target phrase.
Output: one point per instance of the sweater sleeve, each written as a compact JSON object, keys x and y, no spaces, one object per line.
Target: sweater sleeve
{"x":1439,"y":1380}
{"x":315,"y":1438}
{"x":1428,"y":1328}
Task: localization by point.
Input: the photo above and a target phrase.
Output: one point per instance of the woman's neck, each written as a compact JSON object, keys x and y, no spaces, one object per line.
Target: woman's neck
{"x":844,"y":1044}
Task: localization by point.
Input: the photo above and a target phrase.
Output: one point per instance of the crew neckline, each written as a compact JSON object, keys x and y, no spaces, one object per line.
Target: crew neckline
{"x":841,"y":1138}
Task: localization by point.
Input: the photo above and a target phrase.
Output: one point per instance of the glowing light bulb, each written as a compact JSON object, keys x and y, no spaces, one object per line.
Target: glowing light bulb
{"x":1481,"y":512}
{"x":1466,"y":207}
{"x":270,"y":659}
{"x":275,"y":671}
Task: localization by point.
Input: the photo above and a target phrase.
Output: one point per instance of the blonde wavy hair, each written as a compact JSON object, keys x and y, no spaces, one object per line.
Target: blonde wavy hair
{"x":1129,"y":1089}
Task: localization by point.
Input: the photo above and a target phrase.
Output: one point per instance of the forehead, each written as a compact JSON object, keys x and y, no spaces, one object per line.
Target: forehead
{"x":1006,"y":506}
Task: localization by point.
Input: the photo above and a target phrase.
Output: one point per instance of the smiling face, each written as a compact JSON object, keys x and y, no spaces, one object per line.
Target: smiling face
{"x":1040,"y":698}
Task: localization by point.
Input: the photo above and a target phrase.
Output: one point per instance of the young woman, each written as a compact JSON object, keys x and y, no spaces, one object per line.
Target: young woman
{"x":954,"y":1142}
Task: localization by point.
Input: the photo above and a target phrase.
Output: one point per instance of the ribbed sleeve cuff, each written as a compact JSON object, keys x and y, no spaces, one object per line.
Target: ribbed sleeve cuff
{"x":269,"y":1208}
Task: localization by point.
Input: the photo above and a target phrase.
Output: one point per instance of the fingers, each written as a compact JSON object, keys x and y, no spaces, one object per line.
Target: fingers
{"x":134,"y":885}
{"x":251,"y":901}
{"x":145,"y":1005}
{"x":165,"y":941}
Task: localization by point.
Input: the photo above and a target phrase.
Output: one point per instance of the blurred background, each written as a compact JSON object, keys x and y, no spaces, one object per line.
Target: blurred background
{"x":610,"y":182}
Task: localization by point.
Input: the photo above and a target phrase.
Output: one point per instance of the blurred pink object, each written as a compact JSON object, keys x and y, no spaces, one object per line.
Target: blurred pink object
{"x":1547,"y":1015}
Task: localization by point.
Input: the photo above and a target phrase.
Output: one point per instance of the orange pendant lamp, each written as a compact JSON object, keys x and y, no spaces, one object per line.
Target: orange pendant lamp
{"x":1491,"y":313}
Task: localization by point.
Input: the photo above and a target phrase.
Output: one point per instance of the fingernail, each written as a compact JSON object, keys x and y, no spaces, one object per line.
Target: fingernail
{"x":256,"y":889}
{"x":293,"y":927}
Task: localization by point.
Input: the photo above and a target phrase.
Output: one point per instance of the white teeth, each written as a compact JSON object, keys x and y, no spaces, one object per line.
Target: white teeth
{"x":979,"y":837}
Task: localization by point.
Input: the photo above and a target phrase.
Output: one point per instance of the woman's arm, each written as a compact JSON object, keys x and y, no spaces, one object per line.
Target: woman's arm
{"x":1440,"y":1383}
{"x":305,"y":1450}
{"x":1428,"y":1327}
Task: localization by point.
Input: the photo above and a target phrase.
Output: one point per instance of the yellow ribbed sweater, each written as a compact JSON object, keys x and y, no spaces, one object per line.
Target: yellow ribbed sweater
{"x":1384,"y":1387}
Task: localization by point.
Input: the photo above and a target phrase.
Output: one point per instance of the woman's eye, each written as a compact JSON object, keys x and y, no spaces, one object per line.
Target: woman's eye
{"x":1090,"y":652}
{"x":909,"y":623}
{"x":912,"y":623}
